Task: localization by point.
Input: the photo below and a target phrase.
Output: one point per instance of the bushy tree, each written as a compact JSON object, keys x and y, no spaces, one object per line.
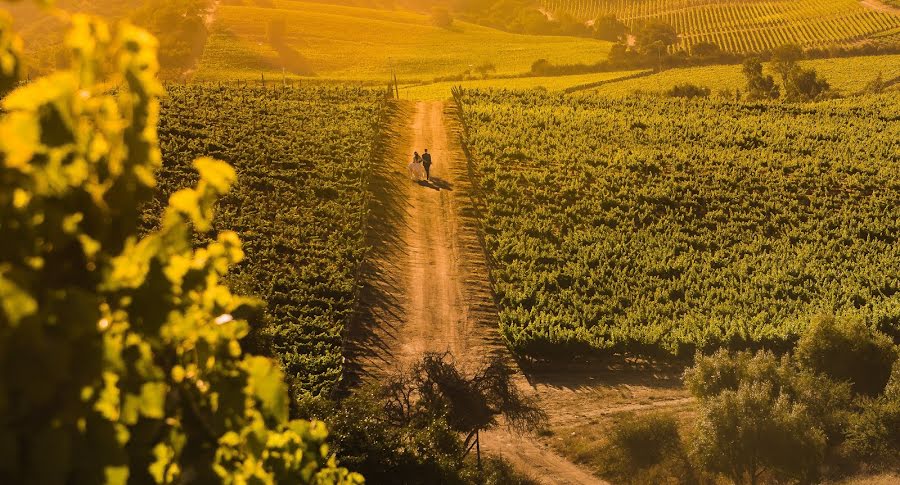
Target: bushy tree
{"x":608,"y":27}
{"x":120,"y":356}
{"x":178,"y":26}
{"x":655,"y":38}
{"x":874,"y":431}
{"x":848,"y":350}
{"x":806,"y":85}
{"x":763,"y":416}
{"x":759,"y":86}
{"x":412,"y":427}
{"x":785,"y":59}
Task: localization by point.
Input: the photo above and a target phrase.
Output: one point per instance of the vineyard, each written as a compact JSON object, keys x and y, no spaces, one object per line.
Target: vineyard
{"x":746,"y":26}
{"x":648,"y":224}
{"x":302,"y":156}
{"x":363,"y":44}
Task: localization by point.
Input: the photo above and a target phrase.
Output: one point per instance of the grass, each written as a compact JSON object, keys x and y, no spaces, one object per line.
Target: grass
{"x":359,"y":44}
{"x":849,"y":75}
{"x":441,"y":90}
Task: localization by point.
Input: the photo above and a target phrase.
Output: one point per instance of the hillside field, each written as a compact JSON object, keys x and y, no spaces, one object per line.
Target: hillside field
{"x":848,"y":75}
{"x":651,"y":224}
{"x":748,"y":26}
{"x":359,"y":44}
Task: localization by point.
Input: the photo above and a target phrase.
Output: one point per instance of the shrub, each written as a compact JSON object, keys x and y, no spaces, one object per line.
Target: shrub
{"x":646,"y":449}
{"x":688,"y":91}
{"x":764,"y":416}
{"x":874,"y":432}
{"x":848,"y":350}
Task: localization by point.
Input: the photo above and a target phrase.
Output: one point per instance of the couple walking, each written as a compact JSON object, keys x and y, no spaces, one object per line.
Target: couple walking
{"x":420,"y":168}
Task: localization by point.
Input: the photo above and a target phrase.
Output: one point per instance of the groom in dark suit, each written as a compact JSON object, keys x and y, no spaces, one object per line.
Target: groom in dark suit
{"x":426,"y":161}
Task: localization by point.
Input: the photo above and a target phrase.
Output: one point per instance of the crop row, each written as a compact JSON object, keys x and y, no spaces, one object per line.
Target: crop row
{"x":656,"y":225}
{"x":751,"y":26}
{"x":302,"y":157}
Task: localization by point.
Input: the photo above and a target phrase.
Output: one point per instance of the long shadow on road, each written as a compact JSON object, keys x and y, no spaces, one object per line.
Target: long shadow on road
{"x":380,"y":287}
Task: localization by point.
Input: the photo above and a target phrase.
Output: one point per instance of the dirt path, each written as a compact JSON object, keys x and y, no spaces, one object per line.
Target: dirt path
{"x":426,"y":285}
{"x":880,"y":6}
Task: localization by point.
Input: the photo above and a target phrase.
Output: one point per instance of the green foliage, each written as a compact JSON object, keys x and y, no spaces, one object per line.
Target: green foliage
{"x":299,"y":206}
{"x":409,"y":428}
{"x":608,"y":27}
{"x":874,"y":432}
{"x":637,"y":226}
{"x":763,"y":418}
{"x":848,"y":350}
{"x":688,"y":91}
{"x":759,"y":87}
{"x":371,"y":439}
{"x":655,"y":37}
{"x":646,"y":449}
{"x":806,"y":85}
{"x":121,"y":356}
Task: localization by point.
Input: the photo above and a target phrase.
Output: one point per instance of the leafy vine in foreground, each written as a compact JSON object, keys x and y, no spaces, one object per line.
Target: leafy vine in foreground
{"x":120,"y":357}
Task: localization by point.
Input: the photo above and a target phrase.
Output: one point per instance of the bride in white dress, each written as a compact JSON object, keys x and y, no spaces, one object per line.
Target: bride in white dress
{"x":416,"y":170}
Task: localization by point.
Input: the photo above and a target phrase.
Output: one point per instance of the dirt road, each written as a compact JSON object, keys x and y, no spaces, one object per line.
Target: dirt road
{"x":880,"y":6}
{"x":426,"y":283}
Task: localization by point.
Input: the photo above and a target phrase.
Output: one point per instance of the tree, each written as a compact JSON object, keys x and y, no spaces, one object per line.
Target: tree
{"x":655,"y":37}
{"x":784,"y":60}
{"x":120,"y":356}
{"x":806,"y":85}
{"x":758,"y":86}
{"x":706,"y":49}
{"x":608,"y":27}
{"x":407,"y":428}
{"x":761,"y":416}
{"x":848,"y":350}
{"x":749,"y":432}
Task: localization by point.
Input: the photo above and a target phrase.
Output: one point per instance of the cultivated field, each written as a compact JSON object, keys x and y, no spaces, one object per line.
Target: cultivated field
{"x":747,"y":26}
{"x":358,"y":44}
{"x":649,"y":224}
{"x":299,"y":206}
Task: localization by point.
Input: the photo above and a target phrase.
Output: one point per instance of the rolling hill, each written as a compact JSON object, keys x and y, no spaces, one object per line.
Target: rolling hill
{"x":361,"y":44}
{"x":750,"y":26}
